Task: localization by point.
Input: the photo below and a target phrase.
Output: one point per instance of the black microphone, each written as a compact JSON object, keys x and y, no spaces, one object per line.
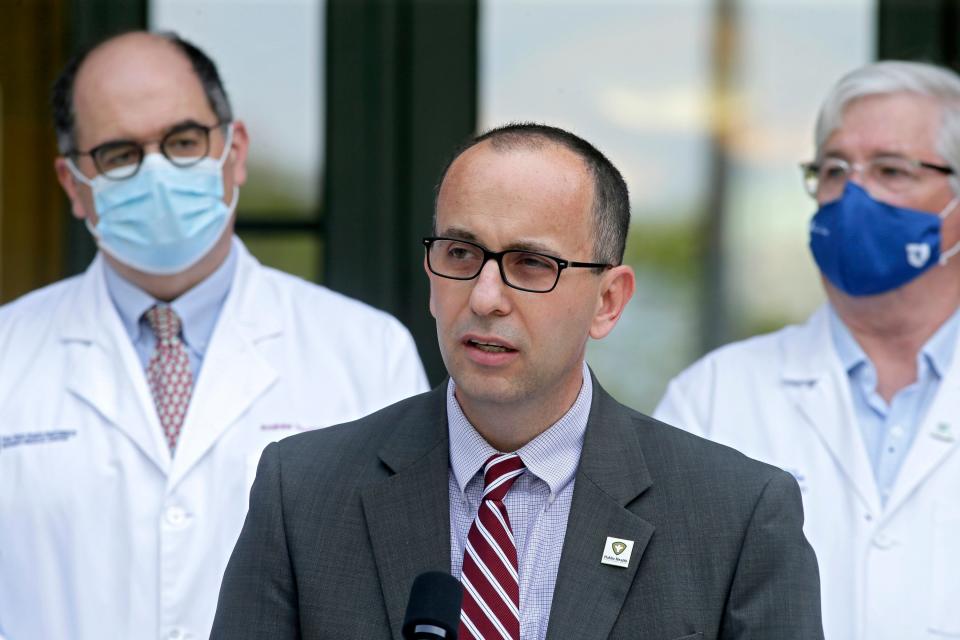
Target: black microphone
{"x":433,"y":610}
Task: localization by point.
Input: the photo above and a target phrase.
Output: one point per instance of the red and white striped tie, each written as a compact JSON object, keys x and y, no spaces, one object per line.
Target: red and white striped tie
{"x":491,"y":588}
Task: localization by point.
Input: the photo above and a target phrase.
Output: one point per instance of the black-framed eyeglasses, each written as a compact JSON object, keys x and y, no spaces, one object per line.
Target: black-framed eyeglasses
{"x":523,"y":270}
{"x":184,"y":145}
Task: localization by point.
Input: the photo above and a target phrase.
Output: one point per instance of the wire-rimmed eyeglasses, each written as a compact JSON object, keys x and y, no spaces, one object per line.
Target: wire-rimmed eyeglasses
{"x":523,"y":270}
{"x":827,"y":178}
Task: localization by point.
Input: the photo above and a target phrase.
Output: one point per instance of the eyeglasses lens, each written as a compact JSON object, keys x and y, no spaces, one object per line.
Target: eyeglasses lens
{"x":464,"y":261}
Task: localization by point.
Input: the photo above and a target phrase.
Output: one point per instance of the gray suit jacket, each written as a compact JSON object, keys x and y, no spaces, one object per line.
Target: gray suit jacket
{"x":343,"y":519}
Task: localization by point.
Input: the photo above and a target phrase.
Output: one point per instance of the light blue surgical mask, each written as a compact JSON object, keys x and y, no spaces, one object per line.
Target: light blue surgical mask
{"x":163,"y":219}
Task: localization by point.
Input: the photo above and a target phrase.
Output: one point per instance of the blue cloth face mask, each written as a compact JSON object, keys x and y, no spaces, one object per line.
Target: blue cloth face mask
{"x":163,"y":219}
{"x":867,"y":247}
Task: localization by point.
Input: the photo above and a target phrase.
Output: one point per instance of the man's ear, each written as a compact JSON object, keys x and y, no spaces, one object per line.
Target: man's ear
{"x":238,"y":153}
{"x":71,"y":188}
{"x":616,"y":288}
{"x":426,"y":269}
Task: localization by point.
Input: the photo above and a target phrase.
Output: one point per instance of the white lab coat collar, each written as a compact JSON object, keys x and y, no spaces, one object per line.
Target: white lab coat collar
{"x":89,"y":318}
{"x":233,"y":375}
{"x":234,"y":372}
{"x":93,"y":335}
{"x":816,"y":382}
{"x":937,"y":438}
{"x":808,"y":353}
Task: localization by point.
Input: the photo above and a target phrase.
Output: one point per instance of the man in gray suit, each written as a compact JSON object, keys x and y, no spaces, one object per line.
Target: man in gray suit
{"x":563,"y":513}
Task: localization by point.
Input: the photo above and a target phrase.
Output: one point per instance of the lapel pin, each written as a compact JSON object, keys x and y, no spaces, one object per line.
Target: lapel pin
{"x":944,"y":432}
{"x":616,"y":552}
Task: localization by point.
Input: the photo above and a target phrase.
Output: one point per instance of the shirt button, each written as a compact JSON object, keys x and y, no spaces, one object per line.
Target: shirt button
{"x":176,"y":517}
{"x":175,"y":634}
{"x":883,"y":541}
{"x":897,"y":431}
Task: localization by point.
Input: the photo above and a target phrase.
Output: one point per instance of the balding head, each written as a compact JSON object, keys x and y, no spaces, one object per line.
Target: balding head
{"x":611,"y":200}
{"x":131,"y":56}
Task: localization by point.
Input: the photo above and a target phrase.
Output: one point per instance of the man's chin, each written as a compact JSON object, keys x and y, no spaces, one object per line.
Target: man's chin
{"x":476,"y":388}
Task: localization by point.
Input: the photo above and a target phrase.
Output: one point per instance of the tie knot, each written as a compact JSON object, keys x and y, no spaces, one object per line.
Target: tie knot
{"x":499,"y":473}
{"x":164,"y":321}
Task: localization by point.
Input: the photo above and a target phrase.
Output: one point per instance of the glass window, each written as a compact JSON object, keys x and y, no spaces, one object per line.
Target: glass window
{"x":270,"y":57}
{"x":641,"y":80}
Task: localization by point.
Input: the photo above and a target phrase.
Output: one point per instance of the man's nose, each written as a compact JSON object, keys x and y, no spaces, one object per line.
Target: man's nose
{"x":858,"y":175}
{"x":868,"y":178}
{"x":489,"y":295}
{"x":869,"y":181}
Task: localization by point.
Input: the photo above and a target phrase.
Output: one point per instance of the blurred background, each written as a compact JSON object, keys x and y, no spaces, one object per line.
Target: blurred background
{"x":353,"y":106}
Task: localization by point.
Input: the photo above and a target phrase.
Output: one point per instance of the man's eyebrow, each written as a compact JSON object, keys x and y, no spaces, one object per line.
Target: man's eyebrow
{"x":177,"y":126}
{"x":835,"y":155}
{"x":883,"y":153}
{"x":529,"y":245}
{"x":189,"y":122}
{"x":459,"y":233}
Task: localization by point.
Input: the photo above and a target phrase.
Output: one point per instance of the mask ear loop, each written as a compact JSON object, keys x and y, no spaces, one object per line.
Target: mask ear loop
{"x":952,"y":251}
{"x":946,"y":255}
{"x":77,"y":173}
{"x":227,"y":146}
{"x":232,"y":207}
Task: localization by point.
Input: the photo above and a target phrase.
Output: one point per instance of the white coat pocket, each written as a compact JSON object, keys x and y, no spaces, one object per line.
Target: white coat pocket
{"x":946,"y":571}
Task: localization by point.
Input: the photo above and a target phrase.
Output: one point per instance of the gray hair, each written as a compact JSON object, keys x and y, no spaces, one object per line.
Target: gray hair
{"x":894,"y":76}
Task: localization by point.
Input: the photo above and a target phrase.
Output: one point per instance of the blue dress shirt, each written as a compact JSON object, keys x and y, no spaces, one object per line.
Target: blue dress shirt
{"x":889,"y":430}
{"x":538,"y":503}
{"x":198,"y":309}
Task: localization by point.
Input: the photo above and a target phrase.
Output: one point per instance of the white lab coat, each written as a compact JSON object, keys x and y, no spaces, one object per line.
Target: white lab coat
{"x":886,"y":573}
{"x":102,"y":534}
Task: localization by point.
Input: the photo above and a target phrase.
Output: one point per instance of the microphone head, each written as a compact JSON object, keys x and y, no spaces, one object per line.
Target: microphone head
{"x":433,"y":610}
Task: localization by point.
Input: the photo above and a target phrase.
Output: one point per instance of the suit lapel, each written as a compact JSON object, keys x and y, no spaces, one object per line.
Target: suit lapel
{"x":937,"y":438}
{"x":408,"y":513}
{"x":589,"y":595}
{"x":103,"y":369}
{"x":817,"y":386}
{"x":234,"y":373}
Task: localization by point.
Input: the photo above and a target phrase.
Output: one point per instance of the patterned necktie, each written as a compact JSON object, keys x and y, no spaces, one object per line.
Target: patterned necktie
{"x":168,"y":372}
{"x":491,"y":588}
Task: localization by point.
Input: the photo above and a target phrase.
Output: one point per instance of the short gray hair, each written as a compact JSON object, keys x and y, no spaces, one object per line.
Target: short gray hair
{"x":895,"y":76}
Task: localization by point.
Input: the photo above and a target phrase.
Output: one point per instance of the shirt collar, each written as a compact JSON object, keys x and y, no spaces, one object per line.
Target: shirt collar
{"x":941,"y":345}
{"x":130,"y":301}
{"x":848,"y":350}
{"x":198,"y":308}
{"x":552,"y":456}
{"x":937,"y":351}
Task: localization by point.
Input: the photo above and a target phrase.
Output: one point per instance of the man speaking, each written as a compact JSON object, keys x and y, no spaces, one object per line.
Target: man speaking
{"x":563,"y":513}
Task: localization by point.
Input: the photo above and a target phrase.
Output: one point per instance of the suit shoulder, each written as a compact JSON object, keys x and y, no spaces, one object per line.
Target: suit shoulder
{"x":356,"y":440}
{"x":698,"y":459}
